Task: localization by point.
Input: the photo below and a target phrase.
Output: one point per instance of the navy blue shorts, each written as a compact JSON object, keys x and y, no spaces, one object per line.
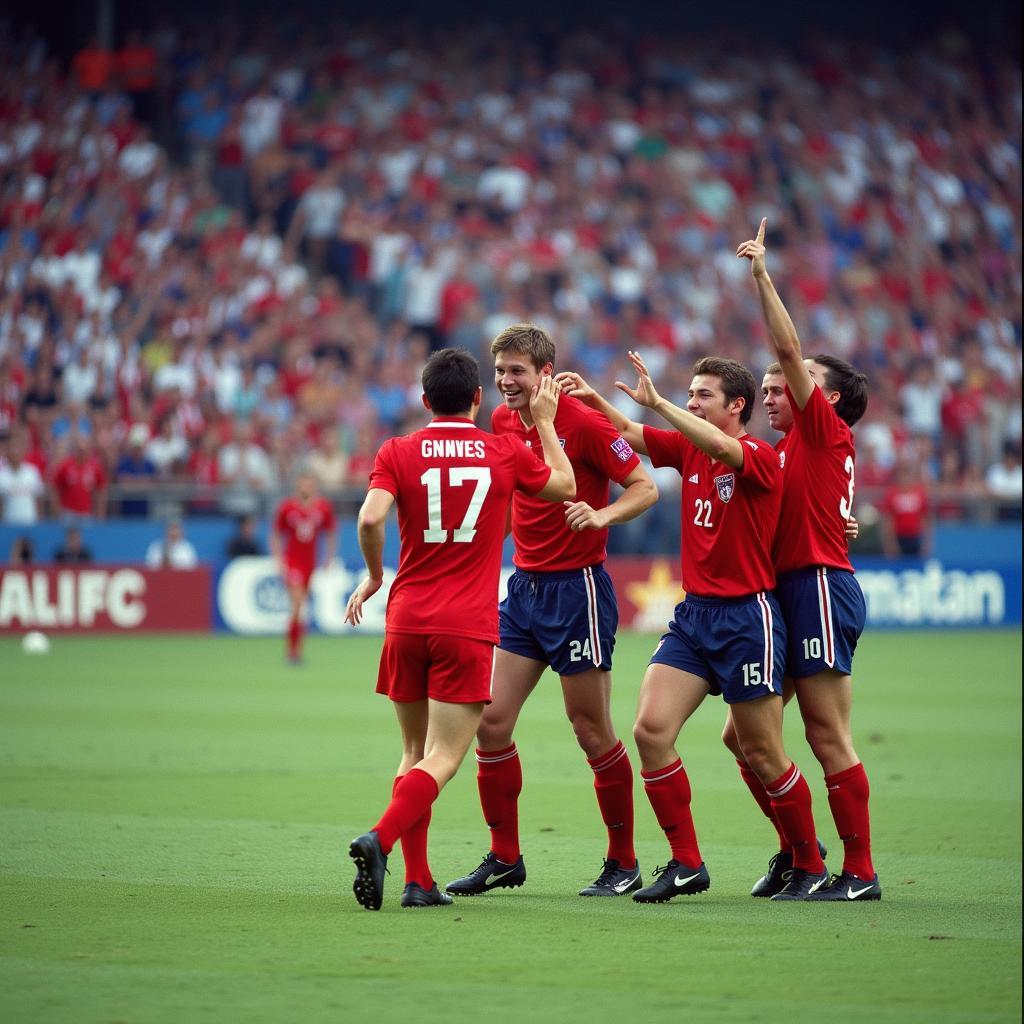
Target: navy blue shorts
{"x":825,"y":612}
{"x":738,"y":645}
{"x":565,"y":619}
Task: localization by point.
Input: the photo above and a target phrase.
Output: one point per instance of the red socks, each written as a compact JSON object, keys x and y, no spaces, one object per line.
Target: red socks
{"x":499,"y":777}
{"x":764,"y":801}
{"x":668,"y":789}
{"x":791,"y":803}
{"x":413,"y":795}
{"x":848,"y":793}
{"x":294,"y":636}
{"x":414,"y":848}
{"x":613,"y":783}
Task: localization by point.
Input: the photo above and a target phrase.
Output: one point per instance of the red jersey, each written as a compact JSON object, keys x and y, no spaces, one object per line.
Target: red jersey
{"x":453,"y":484}
{"x":302,"y":526}
{"x":729,"y":515}
{"x":599,"y":454}
{"x":817,"y":457}
{"x":77,"y":483}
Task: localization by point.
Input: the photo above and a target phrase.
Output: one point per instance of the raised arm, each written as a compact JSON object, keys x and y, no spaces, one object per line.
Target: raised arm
{"x":706,"y":436}
{"x":777,"y":319}
{"x":573,"y":384}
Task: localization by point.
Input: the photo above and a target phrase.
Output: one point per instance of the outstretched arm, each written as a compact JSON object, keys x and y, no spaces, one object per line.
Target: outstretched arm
{"x":573,"y":384}
{"x":706,"y":436}
{"x":777,"y":318}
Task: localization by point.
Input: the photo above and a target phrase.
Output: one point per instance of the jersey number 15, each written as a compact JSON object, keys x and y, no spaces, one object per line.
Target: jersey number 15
{"x":457,"y":476}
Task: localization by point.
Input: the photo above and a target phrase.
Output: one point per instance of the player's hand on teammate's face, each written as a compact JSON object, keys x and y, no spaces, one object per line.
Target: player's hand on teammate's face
{"x":366,"y":589}
{"x":753,"y":249}
{"x":644,"y":393}
{"x":573,"y":384}
{"x":580,"y":516}
{"x":544,"y":398}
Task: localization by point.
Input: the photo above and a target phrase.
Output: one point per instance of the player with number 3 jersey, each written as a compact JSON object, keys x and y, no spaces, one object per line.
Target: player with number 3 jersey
{"x":453,"y":485}
{"x":815,"y":402}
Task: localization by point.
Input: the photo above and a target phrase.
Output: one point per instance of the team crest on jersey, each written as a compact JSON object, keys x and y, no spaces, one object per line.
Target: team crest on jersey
{"x":782,"y":460}
{"x":621,"y":448}
{"x":726,"y":484}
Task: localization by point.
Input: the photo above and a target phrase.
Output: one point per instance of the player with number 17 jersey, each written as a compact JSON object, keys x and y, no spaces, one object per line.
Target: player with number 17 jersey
{"x":452,"y":482}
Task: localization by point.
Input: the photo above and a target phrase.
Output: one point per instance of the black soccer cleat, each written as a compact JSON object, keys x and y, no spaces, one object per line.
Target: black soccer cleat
{"x":780,"y":869}
{"x":674,"y":880}
{"x":416,"y":896}
{"x":847,"y":888}
{"x":614,"y":880}
{"x":371,"y":865}
{"x":801,"y":885}
{"x":491,"y":874}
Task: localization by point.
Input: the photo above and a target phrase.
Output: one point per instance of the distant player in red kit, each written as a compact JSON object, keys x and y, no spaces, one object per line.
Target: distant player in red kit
{"x":453,"y":485}
{"x":300,"y":521}
{"x":815,"y":402}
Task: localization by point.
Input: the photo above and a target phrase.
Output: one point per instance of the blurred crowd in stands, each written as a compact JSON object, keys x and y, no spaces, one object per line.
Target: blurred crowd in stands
{"x":227,"y":249}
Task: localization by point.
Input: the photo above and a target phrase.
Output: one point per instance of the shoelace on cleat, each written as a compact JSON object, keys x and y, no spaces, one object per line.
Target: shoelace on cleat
{"x":608,"y":872}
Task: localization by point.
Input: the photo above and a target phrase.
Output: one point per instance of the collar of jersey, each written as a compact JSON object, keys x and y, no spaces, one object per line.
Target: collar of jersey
{"x":459,"y":422}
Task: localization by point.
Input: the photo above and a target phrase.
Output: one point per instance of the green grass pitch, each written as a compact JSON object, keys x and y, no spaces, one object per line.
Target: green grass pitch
{"x":175,"y":813}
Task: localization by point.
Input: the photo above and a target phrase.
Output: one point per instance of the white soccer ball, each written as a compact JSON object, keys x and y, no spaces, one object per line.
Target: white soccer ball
{"x":35,"y":642}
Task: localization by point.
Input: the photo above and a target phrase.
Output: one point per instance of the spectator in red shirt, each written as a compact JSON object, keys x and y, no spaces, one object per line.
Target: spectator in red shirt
{"x":79,"y":482}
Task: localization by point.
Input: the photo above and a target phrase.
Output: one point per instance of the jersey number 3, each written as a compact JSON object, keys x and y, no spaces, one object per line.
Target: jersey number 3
{"x":457,"y":476}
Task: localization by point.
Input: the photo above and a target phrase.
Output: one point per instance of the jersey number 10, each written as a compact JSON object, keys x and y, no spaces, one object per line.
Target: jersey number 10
{"x":457,"y":476}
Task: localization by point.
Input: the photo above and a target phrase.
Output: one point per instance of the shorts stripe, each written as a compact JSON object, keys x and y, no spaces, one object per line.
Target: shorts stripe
{"x":825,"y":608}
{"x":767,"y":624}
{"x":595,"y":632}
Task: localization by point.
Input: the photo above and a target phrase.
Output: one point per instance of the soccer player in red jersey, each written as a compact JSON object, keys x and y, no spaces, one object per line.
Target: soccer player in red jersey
{"x":815,"y":402}
{"x":560,"y":612}
{"x":300,"y":521}
{"x":727,"y":637}
{"x":453,"y":484}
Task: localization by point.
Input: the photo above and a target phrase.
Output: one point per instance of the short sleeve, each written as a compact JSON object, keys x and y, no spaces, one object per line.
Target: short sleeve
{"x":818,"y":422}
{"x":532,"y":473}
{"x":383,"y":474}
{"x":761,"y":465}
{"x":665,"y":447}
{"x":607,"y":449}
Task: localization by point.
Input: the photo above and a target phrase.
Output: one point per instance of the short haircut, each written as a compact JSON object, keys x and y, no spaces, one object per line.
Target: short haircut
{"x":526,"y":340}
{"x":773,"y":368}
{"x":737,"y":381}
{"x":450,"y":380}
{"x":851,"y":384}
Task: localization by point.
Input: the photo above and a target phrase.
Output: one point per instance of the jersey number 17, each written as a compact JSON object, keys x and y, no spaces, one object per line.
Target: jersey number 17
{"x":457,"y":476}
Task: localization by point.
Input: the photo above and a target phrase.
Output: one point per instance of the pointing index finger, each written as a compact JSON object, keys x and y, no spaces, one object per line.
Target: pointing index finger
{"x":760,"y":231}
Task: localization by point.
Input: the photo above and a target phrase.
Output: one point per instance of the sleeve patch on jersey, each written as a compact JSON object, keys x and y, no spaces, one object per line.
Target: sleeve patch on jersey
{"x":726,"y":484}
{"x":752,"y":445}
{"x":622,"y":449}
